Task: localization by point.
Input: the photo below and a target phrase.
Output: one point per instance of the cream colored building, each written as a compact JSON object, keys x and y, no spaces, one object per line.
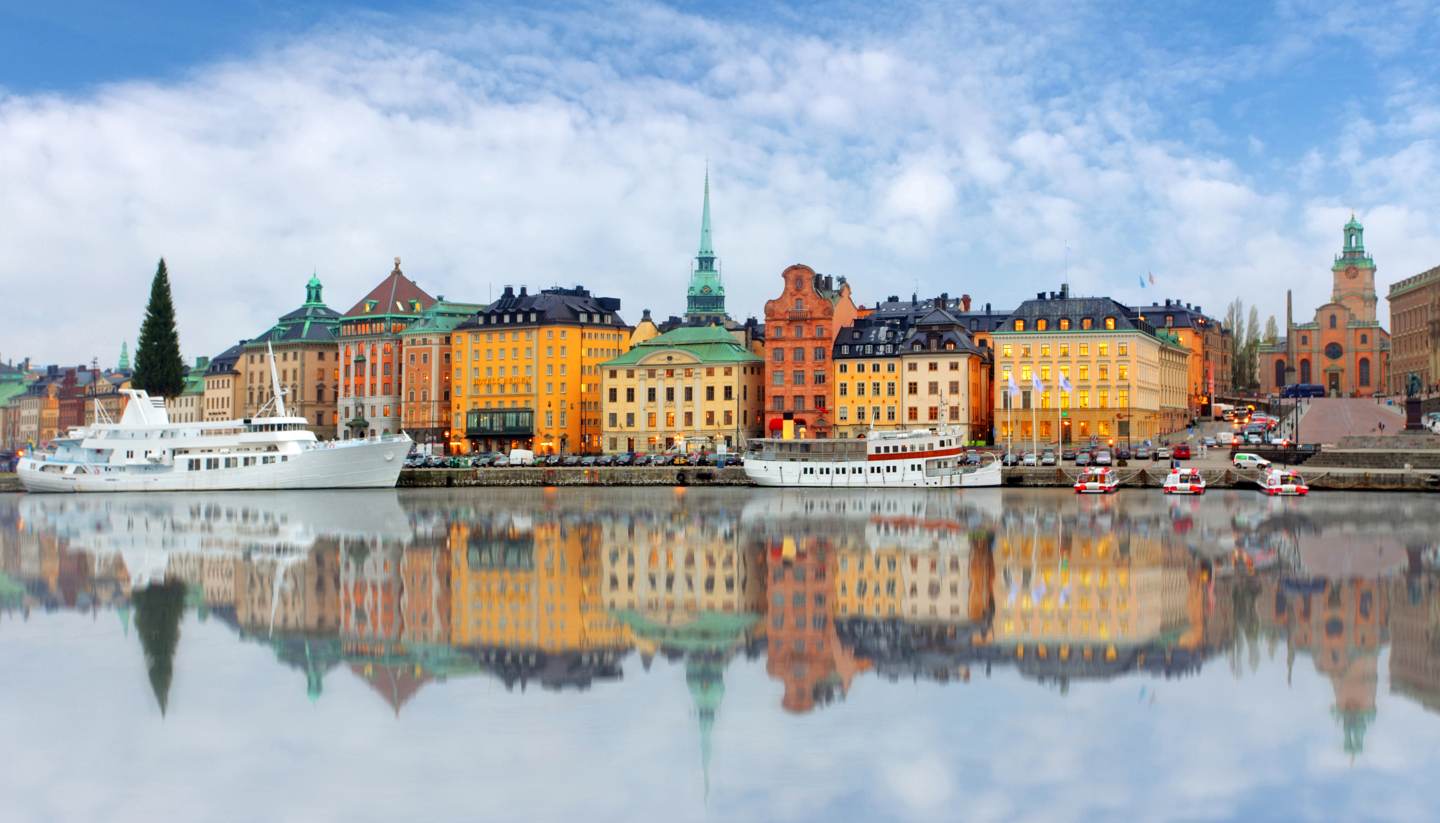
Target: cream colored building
{"x":224,"y":384}
{"x":693,"y":388}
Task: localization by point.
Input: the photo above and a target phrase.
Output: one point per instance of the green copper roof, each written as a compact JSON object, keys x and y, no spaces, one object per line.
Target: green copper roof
{"x":444,"y":316}
{"x":709,"y":344}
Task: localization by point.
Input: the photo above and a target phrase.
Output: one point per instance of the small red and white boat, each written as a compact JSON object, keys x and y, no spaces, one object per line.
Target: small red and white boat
{"x":1097,"y":480}
{"x":1184,"y":481}
{"x":1283,"y":483}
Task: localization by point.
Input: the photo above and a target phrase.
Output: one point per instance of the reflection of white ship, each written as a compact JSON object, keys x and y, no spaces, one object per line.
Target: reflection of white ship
{"x":914,"y":520}
{"x":156,"y":534}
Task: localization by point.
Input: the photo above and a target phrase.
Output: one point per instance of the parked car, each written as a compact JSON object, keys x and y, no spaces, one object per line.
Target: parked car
{"x":501,"y":462}
{"x":1182,"y":452}
{"x":587,"y":460}
{"x":1162,"y":453}
{"x":1254,"y":439}
{"x":1102,"y":458}
{"x":1142,"y":452}
{"x":1047,"y":457}
{"x":1082,"y":459}
{"x":550,"y":460}
{"x":1246,"y":460}
{"x":1029,"y":459}
{"x":1010,"y":459}
{"x":570,"y":460}
{"x":624,"y":459}
{"x":1209,"y":442}
{"x":1067,"y":454}
{"x":1122,"y":453}
{"x":605,"y":460}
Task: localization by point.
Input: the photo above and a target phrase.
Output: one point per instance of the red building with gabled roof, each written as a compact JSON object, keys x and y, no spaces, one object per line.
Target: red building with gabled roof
{"x":800,"y":329}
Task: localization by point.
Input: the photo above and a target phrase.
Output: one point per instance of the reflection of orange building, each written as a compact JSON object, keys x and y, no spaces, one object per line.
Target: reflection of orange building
{"x":804,"y":650}
{"x":425,"y":598}
{"x":533,"y":587}
{"x":1341,"y":624}
{"x":369,"y":591}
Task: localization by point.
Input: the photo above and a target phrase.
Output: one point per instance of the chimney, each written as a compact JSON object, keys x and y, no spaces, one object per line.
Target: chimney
{"x":964,"y":302}
{"x":1039,"y":295}
{"x":509,"y":292}
{"x":524,"y":290}
{"x":439,"y":298}
{"x":1064,"y":291}
{"x":987,"y":308}
{"x":645,"y":315}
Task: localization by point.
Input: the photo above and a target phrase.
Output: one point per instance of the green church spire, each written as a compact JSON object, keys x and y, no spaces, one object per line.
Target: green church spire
{"x":705,"y":299}
{"x":312,"y":291}
{"x":124,"y":364}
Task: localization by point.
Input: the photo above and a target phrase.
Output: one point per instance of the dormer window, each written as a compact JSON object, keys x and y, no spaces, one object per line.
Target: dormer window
{"x":1064,"y":324}
{"x":1019,"y":325}
{"x":1087,"y":323}
{"x":370,"y":305}
{"x":1110,"y":323}
{"x":1042,"y":324}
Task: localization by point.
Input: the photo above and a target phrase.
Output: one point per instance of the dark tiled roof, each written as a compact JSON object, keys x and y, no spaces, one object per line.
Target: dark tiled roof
{"x":396,"y":294}
{"x":307,"y":324}
{"x":1054,"y":306}
{"x":928,"y":324}
{"x":224,"y":362}
{"x":1184,"y":315}
{"x":556,"y":305}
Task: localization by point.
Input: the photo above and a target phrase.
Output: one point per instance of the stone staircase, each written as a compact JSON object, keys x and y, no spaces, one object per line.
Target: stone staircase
{"x":1392,"y":451}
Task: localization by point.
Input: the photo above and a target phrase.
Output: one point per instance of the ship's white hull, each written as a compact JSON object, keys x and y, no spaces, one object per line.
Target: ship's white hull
{"x":844,"y":475}
{"x":348,"y":465}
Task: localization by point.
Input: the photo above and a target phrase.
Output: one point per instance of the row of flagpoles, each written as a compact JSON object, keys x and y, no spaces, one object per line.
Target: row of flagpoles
{"x":1037,"y":387}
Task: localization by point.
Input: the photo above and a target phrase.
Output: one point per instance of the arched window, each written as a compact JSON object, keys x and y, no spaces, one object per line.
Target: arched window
{"x":1087,"y":322}
{"x":1364,"y":371}
{"x":1364,"y":338}
{"x":1332,"y":321}
{"x":1305,"y":371}
{"x":1064,"y":324}
{"x":1279,"y":373}
{"x":1042,"y":324}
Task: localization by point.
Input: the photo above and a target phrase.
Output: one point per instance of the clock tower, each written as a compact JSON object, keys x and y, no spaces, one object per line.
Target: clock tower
{"x":1354,"y":274}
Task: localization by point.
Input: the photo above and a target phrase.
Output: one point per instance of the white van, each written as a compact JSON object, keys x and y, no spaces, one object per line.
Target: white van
{"x":1224,"y":438}
{"x":1246,"y":460}
{"x":522,"y":457}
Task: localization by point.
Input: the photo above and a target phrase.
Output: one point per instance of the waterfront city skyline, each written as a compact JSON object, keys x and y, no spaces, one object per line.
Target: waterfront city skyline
{"x":494,"y":146}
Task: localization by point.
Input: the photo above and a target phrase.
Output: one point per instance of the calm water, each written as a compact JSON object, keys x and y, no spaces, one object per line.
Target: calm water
{"x":719,"y":654}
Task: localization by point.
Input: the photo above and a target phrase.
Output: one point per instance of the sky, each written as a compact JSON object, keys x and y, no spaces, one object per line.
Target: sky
{"x":994,"y":150}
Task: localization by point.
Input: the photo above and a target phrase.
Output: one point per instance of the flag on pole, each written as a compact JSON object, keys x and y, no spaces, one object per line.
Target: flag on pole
{"x":1142,"y":281}
{"x":1014,"y":389}
{"x":1152,"y":277}
{"x":1036,"y":384}
{"x":1065,"y":383}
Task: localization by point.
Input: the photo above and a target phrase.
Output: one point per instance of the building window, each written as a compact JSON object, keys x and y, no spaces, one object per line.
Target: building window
{"x":1332,"y":321}
{"x":1064,"y":324}
{"x":1042,"y":324}
{"x":1087,"y":323}
{"x":1019,"y":324}
{"x":1364,"y":371}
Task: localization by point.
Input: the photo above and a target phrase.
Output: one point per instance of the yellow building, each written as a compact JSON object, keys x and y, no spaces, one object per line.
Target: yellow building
{"x":1087,"y":368}
{"x":695,"y":387}
{"x":527,"y":370}
{"x":225,"y":384}
{"x":676,"y":566}
{"x":910,"y":365}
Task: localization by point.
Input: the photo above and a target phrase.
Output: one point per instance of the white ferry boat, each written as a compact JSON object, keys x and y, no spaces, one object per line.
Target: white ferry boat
{"x":1184,"y":481}
{"x":146,"y":452}
{"x":1097,"y":480}
{"x":921,"y":458}
{"x":1283,"y":483}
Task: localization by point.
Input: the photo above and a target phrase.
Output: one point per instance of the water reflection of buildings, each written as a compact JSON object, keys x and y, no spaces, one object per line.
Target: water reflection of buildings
{"x":555,"y":589}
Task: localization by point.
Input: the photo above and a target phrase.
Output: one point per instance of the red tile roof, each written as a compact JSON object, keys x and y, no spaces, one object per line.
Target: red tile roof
{"x":396,"y":294}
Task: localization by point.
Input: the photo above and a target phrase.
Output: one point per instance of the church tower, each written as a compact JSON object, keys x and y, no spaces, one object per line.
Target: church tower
{"x":1354,"y":274}
{"x":705,"y":299}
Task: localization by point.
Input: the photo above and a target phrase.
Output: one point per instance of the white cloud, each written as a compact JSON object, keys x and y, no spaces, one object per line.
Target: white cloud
{"x":541,"y":148}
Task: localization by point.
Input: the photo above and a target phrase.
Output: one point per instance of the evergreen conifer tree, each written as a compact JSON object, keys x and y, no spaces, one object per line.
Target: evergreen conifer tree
{"x":159,"y":368}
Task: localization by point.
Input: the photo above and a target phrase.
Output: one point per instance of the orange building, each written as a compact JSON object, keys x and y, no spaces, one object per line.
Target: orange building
{"x":800,"y":329}
{"x":425,"y":380}
{"x":1343,"y":349}
{"x":527,"y":371}
{"x":372,"y":355}
{"x":803,"y":648}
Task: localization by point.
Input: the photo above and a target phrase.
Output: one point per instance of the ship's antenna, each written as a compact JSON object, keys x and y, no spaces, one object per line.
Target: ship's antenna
{"x":275,"y":382}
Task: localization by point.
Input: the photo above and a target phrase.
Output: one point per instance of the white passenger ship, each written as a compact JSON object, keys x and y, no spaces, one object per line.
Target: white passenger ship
{"x":920,"y":458}
{"x":146,"y":452}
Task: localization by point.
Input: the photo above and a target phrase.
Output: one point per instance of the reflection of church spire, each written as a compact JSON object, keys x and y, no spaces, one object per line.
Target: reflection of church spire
{"x":1354,"y":722}
{"x":314,"y":675}
{"x":704,"y":675}
{"x":158,"y":609}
